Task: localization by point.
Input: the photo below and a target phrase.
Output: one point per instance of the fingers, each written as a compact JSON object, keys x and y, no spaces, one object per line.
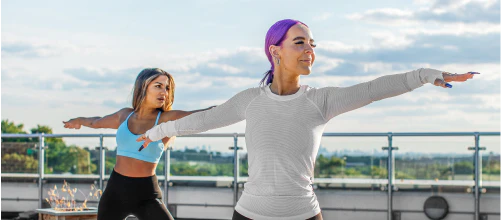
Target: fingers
{"x":441,"y":83}
{"x":71,"y":125}
{"x":146,"y":140}
{"x":141,"y":138}
{"x":449,"y":77}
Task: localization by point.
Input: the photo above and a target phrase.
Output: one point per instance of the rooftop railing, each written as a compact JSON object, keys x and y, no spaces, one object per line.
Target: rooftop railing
{"x":388,"y":183}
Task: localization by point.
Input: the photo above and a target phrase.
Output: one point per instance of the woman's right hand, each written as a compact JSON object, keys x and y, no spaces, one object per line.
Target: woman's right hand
{"x":72,"y":124}
{"x":448,"y":77}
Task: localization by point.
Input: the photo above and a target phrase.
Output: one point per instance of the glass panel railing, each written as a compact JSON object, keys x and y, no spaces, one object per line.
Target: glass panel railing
{"x":202,"y":156}
{"x":345,"y":165}
{"x":351,"y":158}
{"x":19,"y":155}
{"x":434,"y":159}
{"x":489,"y":199}
{"x":243,"y":158}
{"x":433,"y":166}
{"x":490,"y":160}
{"x":79,"y":157}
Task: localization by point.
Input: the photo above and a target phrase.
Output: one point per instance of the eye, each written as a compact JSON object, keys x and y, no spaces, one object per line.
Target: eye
{"x":158,"y":86}
{"x":300,"y":42}
{"x":313,"y":45}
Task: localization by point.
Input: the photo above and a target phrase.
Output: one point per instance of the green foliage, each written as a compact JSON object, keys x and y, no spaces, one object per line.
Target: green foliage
{"x":11,"y":128}
{"x":16,"y":163}
{"x":201,"y":169}
{"x":59,"y":157}
{"x":46,"y":130}
{"x":325,"y":168}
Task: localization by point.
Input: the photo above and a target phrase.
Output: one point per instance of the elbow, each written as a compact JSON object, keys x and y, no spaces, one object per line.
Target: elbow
{"x":94,"y":124}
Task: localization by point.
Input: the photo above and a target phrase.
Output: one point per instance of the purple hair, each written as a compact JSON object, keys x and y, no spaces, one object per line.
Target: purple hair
{"x":275,"y":36}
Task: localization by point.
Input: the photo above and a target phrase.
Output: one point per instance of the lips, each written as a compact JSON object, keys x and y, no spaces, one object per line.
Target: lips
{"x":308,"y":61}
{"x":161,"y":99}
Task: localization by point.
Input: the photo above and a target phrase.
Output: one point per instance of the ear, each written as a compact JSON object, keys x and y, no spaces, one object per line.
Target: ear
{"x":274,"y":51}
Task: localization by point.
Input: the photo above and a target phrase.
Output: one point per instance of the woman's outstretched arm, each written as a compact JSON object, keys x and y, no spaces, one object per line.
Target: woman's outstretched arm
{"x":334,"y":101}
{"x":108,"y":121}
{"x":177,"y":114}
{"x":230,"y":112}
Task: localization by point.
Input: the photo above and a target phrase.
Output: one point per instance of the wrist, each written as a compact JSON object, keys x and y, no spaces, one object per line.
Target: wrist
{"x":80,"y":120}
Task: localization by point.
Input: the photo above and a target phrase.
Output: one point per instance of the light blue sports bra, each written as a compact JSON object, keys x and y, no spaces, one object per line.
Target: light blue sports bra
{"x":128,"y":147}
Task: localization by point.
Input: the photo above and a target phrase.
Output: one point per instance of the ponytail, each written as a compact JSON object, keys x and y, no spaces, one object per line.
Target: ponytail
{"x":268,"y":78}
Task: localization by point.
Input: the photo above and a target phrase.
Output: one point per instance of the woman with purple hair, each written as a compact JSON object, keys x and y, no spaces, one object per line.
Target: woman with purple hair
{"x":285,"y":121}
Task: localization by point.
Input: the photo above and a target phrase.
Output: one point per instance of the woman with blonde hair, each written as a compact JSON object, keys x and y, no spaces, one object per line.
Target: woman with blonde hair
{"x":133,"y":186}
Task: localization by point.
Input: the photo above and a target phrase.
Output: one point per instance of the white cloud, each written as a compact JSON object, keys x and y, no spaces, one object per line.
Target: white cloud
{"x":322,"y":17}
{"x":339,"y":47}
{"x":441,"y":12}
{"x":225,"y":68}
{"x":390,"y":40}
{"x":383,"y":14}
{"x":488,"y":101}
{"x":323,"y":63}
{"x":15,"y":45}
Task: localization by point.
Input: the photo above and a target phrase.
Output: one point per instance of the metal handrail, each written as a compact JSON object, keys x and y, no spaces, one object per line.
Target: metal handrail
{"x":390,"y":182}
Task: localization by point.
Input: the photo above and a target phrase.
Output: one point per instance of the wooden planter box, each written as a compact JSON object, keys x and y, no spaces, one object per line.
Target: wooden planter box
{"x":51,"y":214}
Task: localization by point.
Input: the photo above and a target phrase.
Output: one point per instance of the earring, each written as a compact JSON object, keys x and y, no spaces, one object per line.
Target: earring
{"x":278,"y":61}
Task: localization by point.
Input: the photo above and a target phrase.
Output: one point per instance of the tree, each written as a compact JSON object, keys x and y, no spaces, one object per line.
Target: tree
{"x":464,"y":167}
{"x":59,"y":157}
{"x":11,"y":128}
{"x":46,"y":130}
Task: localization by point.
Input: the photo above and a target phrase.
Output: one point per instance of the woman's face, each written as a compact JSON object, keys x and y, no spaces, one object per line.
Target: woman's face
{"x":297,"y":51}
{"x":158,"y":92}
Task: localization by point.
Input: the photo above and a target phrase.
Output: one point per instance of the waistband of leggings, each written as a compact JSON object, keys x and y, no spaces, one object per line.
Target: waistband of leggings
{"x":115,"y":175}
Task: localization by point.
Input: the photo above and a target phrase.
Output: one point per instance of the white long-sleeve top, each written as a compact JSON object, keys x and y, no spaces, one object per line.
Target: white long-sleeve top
{"x":283,"y":135}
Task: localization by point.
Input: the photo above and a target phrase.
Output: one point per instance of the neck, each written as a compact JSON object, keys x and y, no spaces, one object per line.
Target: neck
{"x":146,"y":112}
{"x":284,"y":84}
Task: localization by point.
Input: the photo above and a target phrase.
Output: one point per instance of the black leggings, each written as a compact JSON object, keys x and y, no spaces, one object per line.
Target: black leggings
{"x":238,"y":216}
{"x":138,"y":196}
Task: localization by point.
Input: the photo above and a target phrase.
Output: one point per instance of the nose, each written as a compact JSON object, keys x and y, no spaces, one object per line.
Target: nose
{"x":309,"y":49}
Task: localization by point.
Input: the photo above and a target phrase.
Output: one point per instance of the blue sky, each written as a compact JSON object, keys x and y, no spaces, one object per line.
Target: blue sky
{"x":65,"y":59}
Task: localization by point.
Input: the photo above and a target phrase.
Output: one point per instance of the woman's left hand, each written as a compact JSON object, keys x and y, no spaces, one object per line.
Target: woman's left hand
{"x":448,"y":77}
{"x":146,"y":140}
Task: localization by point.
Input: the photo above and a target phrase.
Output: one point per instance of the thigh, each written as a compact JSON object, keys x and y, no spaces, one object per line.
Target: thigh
{"x":238,"y":216}
{"x":110,"y":208}
{"x":153,"y":209}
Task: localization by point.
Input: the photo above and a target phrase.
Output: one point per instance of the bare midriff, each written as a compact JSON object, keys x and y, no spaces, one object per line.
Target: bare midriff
{"x":134,"y":168}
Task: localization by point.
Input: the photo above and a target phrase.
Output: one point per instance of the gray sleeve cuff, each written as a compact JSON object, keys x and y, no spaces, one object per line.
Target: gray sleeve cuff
{"x":166,"y":129}
{"x":417,"y":78}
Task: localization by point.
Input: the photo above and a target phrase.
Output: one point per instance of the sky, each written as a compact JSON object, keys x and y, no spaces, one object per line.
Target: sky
{"x":64,"y":59}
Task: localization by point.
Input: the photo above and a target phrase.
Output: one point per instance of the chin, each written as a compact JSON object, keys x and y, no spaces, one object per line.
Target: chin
{"x":306,"y":72}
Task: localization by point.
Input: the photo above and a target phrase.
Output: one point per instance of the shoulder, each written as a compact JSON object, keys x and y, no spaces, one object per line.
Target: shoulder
{"x":250,"y":93}
{"x":123,"y":113}
{"x":169,"y":115}
{"x":253,"y":91}
{"x":320,"y":92}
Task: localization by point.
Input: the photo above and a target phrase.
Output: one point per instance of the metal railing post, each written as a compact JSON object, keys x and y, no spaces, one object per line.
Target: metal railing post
{"x":478,"y":175}
{"x":477,"y":162}
{"x":41,"y":162}
{"x":102,"y":162}
{"x":235,"y":168}
{"x":167,"y":175}
{"x":391,"y":173}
